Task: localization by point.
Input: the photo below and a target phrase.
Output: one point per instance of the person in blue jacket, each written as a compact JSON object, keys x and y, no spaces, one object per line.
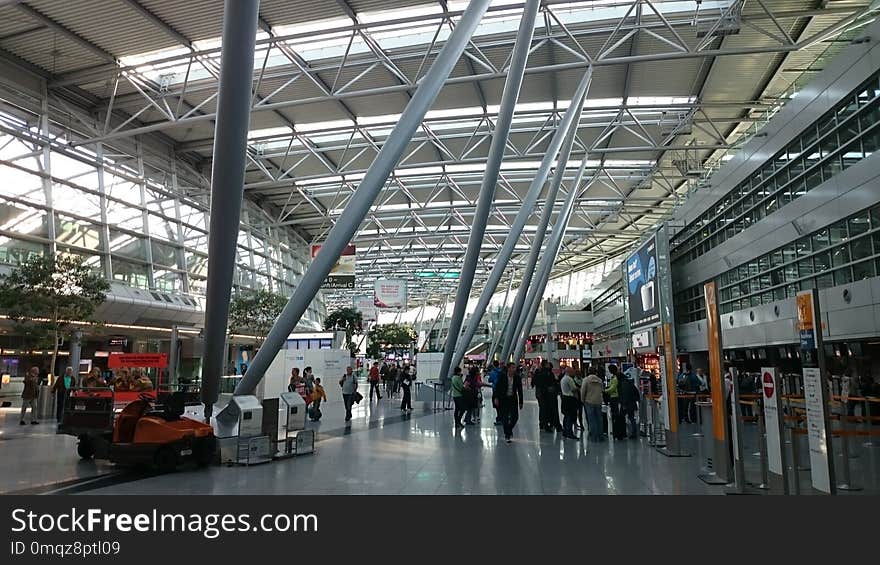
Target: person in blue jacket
{"x":494,"y":375}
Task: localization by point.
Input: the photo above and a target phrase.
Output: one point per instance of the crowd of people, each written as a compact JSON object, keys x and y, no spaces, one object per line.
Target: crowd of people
{"x":575,"y":394}
{"x":124,"y":380}
{"x":578,"y":396}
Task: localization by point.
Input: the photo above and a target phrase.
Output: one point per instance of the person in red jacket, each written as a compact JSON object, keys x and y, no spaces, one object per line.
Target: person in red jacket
{"x":374,"y":379}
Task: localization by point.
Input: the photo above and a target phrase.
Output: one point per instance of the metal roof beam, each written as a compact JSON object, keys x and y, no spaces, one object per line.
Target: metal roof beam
{"x":159,"y":22}
{"x":69,"y":34}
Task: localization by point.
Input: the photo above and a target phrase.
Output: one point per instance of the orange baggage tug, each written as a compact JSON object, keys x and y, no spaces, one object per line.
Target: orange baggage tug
{"x":145,"y":432}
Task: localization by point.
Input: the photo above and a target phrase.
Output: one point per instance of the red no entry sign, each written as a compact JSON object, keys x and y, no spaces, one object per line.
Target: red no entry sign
{"x":769,"y":385}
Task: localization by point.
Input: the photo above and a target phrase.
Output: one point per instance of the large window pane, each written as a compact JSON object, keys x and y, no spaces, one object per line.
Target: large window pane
{"x":20,"y":219}
{"x":21,"y":184}
{"x":840,"y":256}
{"x":863,"y":270}
{"x":76,"y":232}
{"x":17,"y":251}
{"x":197,"y":264}
{"x":124,"y":216}
{"x":167,"y":280}
{"x":161,"y":228}
{"x":128,"y":246}
{"x":160,"y":203}
{"x":76,"y":201}
{"x":93,"y":261}
{"x":131,"y":274}
{"x":163,"y":254}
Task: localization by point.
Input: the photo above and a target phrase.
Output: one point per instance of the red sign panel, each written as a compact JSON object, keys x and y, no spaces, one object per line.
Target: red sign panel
{"x":119,"y":360}
{"x":769,"y":385}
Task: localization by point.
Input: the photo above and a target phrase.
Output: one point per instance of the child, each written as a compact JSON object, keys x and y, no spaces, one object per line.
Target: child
{"x":318,"y":395}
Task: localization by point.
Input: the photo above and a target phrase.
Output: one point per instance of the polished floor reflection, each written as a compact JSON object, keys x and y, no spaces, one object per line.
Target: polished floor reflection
{"x":383,"y":451}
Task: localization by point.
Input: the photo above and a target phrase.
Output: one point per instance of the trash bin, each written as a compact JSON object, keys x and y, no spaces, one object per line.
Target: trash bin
{"x":46,"y":403}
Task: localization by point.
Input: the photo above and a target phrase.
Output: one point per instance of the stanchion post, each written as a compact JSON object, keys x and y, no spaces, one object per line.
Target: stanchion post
{"x":739,"y":474}
{"x":846,"y":483}
{"x":866,"y":423}
{"x":762,"y":447}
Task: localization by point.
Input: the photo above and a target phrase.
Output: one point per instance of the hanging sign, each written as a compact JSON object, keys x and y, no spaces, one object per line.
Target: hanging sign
{"x":390,"y":294}
{"x":342,"y":274}
{"x":366,"y":305}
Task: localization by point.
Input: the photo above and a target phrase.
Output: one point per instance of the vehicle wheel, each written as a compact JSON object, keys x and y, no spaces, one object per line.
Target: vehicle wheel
{"x":165,"y":460}
{"x":85,"y":448}
{"x":203,"y":451}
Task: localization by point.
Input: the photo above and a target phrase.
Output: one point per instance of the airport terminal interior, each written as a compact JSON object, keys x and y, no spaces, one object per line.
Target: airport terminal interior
{"x":431,"y":247}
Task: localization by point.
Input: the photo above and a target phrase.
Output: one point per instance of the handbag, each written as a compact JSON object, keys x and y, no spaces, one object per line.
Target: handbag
{"x":358,"y":397}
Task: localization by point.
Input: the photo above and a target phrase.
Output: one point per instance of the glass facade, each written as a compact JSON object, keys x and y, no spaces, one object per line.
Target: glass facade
{"x":138,"y":216}
{"x":836,"y":141}
{"x":846,"y":251}
{"x":615,"y":328}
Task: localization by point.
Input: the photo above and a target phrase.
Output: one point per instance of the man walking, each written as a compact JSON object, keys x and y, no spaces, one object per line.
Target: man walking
{"x":349,"y":385}
{"x":29,"y":394}
{"x":509,"y":394}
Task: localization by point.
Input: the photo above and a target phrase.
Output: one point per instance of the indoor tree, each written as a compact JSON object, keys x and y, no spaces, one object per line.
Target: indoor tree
{"x":48,"y":295}
{"x":255,"y":312}
{"x":348,"y":319}
{"x":390,"y":336}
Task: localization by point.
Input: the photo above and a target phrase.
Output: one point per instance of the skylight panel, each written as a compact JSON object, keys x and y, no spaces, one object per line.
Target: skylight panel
{"x":269,"y":132}
{"x":325,"y":125}
{"x":409,"y":12}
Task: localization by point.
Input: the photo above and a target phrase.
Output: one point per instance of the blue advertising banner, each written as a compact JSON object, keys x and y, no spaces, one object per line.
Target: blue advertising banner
{"x":643,"y":286}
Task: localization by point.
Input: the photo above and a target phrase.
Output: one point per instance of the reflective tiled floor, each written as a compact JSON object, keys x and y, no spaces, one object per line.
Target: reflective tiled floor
{"x":385,"y":452}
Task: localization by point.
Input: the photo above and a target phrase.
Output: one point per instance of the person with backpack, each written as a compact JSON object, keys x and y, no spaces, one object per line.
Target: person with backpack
{"x":628,"y":395}
{"x":374,"y":378}
{"x":318,"y":395}
{"x":618,"y":428}
{"x":349,"y":385}
{"x":569,"y":404}
{"x":309,"y":381}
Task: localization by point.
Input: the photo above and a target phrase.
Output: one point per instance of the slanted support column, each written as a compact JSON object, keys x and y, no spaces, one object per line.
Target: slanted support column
{"x":528,"y":205}
{"x":227,"y":182}
{"x":360,"y":202}
{"x":514,"y":327}
{"x":490,"y":179}
{"x":536,"y":293}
